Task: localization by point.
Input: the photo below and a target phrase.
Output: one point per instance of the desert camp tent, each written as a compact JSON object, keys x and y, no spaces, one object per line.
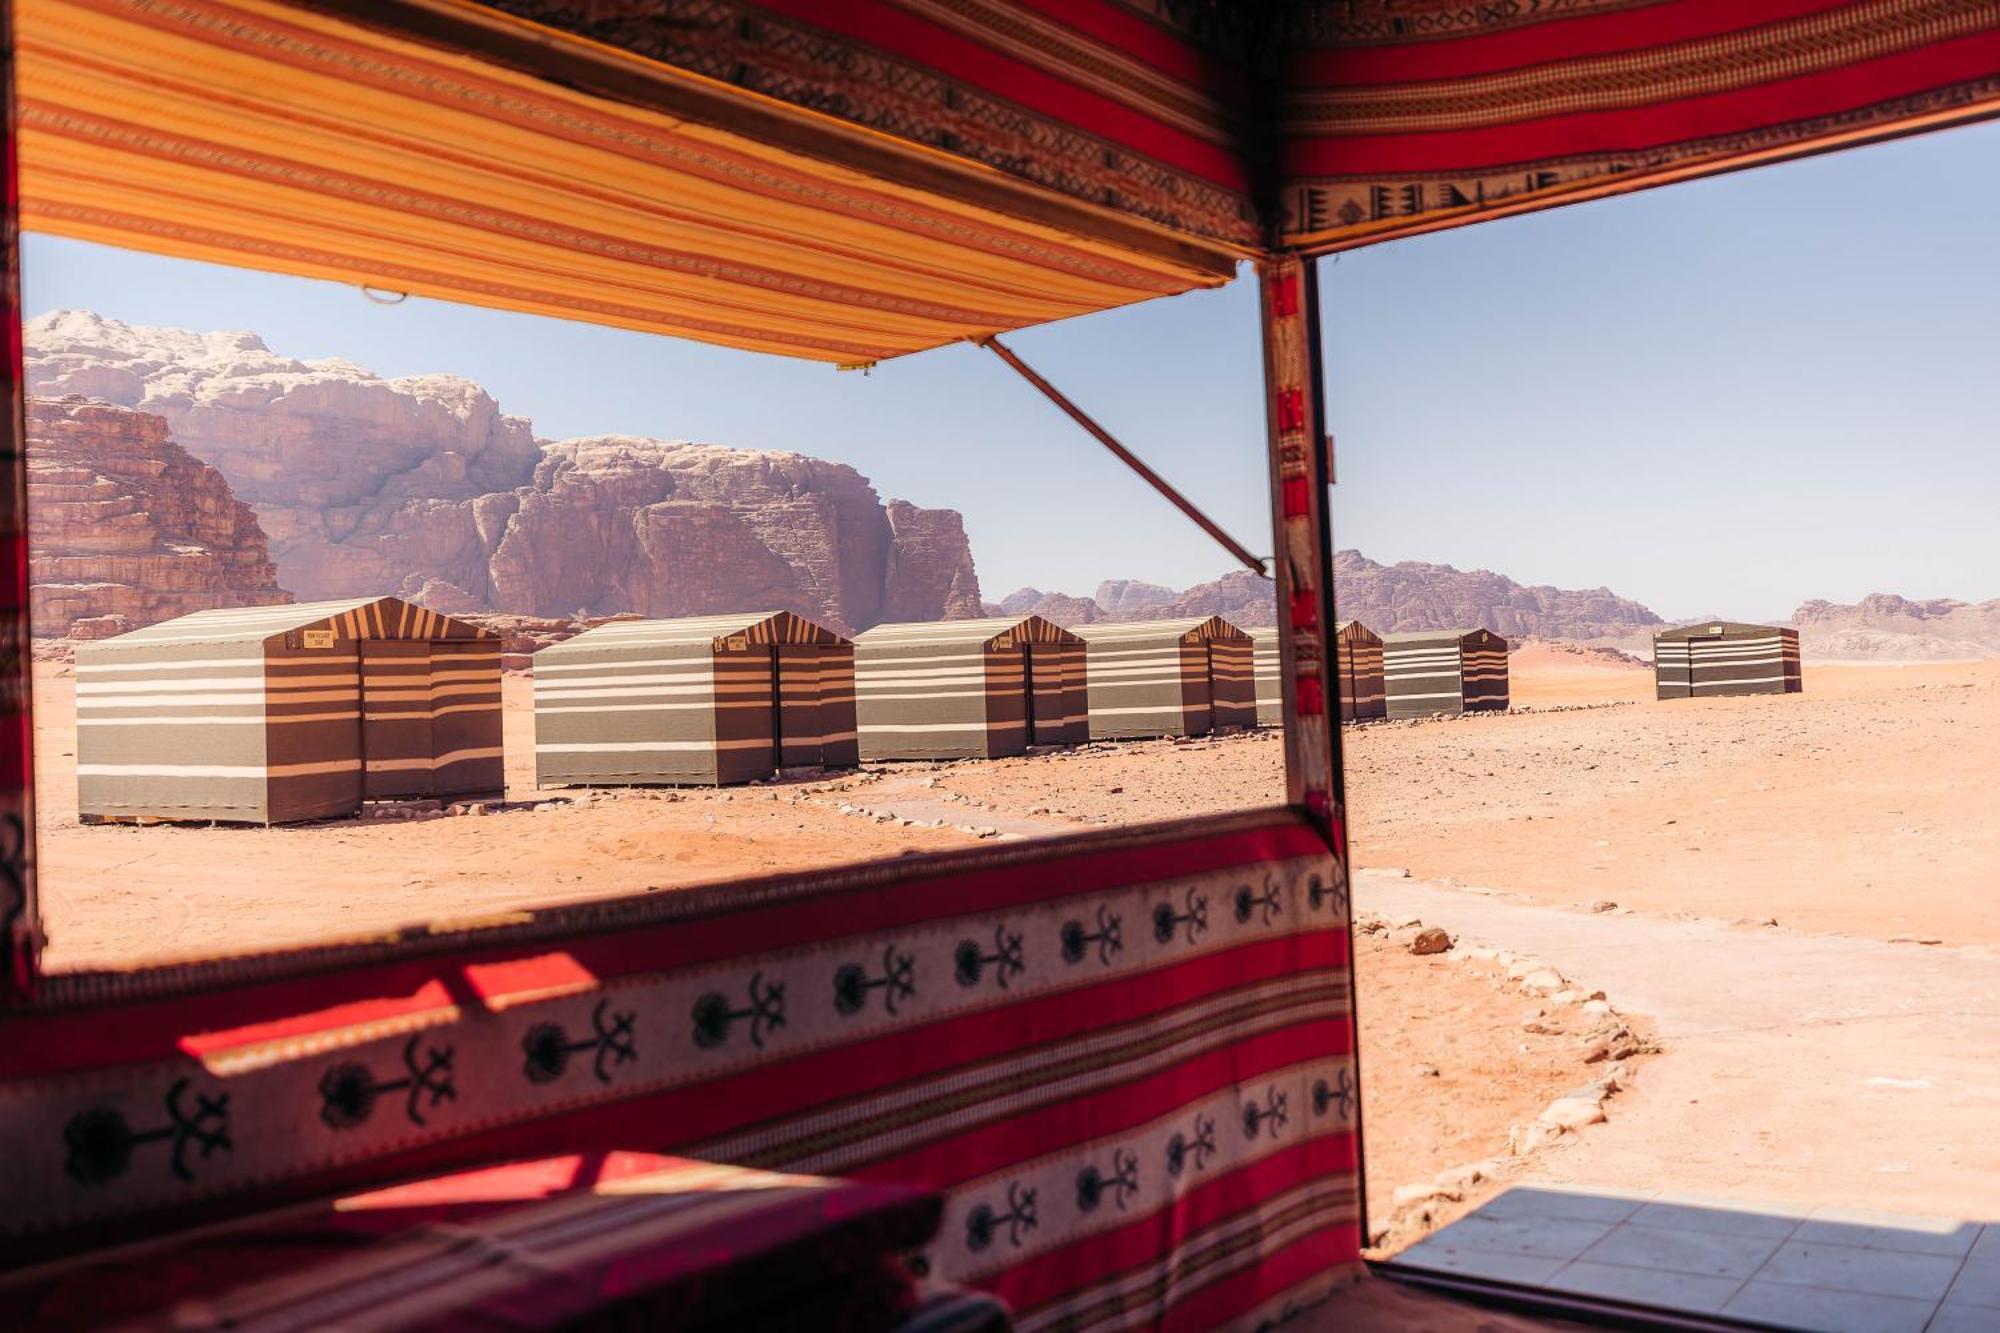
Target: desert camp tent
{"x":968,"y":689}
{"x":1444,"y":671}
{"x":266,"y":715}
{"x":704,"y":700}
{"x":1725,"y":657}
{"x":1169,"y":677}
{"x":1357,"y":666}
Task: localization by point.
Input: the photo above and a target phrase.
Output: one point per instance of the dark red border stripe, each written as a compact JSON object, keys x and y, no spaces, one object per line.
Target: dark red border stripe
{"x":1624,"y":31}
{"x":904,"y":35}
{"x":1053,"y":1274}
{"x":995,"y":1147}
{"x":1636,"y":129}
{"x":1335,"y":1245}
{"x":1122,"y":30}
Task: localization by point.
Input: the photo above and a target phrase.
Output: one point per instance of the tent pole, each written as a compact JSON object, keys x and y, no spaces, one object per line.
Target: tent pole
{"x":20,"y":917}
{"x":1295,"y":411}
{"x":1126,"y":456}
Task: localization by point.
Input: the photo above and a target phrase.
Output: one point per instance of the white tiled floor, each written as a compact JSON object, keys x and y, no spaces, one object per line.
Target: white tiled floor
{"x":1825,"y":1270}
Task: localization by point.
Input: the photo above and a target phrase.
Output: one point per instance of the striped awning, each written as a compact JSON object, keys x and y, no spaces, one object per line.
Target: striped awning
{"x":854,"y":181}
{"x":274,"y":137}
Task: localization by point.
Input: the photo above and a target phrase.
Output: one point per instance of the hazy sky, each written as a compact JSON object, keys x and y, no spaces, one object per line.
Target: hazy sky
{"x":1723,"y":397}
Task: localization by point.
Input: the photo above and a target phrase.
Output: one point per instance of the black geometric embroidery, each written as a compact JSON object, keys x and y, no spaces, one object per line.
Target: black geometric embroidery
{"x":1123,"y":1182}
{"x":1109,"y":937}
{"x":101,"y":1141}
{"x":348,"y":1092}
{"x":713,"y":1018}
{"x":898,"y":981}
{"x":1318,"y":894}
{"x":548,"y":1048}
{"x":1339,"y":1093}
{"x":1166,"y":921}
{"x":1182,"y":1149}
{"x":1005,"y":958}
{"x":982,"y":1223}
{"x":1249,"y":903}
{"x":1271,"y":1111}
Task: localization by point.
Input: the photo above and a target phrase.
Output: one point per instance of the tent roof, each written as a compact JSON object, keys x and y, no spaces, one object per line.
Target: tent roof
{"x":853,"y":182}
{"x":363,"y":617}
{"x":1123,"y":631}
{"x":990,"y":630}
{"x":1421,"y":636}
{"x":708,"y":631}
{"x":1712,"y":629}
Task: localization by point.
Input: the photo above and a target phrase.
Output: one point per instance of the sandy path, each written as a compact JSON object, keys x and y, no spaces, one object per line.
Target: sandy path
{"x":1869,"y":805}
{"x":1796,"y":1068}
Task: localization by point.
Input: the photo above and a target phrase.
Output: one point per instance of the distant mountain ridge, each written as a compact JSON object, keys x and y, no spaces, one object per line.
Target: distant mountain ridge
{"x":1885,"y":627}
{"x":1411,"y":595}
{"x":422,"y":487}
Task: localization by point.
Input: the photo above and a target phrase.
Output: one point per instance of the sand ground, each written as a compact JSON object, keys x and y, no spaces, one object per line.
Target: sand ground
{"x":1865,"y":808}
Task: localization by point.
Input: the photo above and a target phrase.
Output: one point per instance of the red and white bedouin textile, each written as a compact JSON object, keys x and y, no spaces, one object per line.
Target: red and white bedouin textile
{"x":588,"y":1240}
{"x":1126,"y":1060}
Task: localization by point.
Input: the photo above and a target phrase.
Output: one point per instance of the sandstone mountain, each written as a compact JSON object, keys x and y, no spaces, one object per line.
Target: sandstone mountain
{"x":1387,"y":598}
{"x":424,"y":488}
{"x":126,"y":529}
{"x":1885,"y":627}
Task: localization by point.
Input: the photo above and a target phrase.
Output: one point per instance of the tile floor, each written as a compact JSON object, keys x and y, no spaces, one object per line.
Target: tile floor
{"x":1827,"y":1270}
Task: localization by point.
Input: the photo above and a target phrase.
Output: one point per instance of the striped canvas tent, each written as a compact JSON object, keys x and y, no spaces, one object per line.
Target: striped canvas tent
{"x":1726,"y":657}
{"x":704,"y":700}
{"x":968,"y":689}
{"x":1169,"y":677}
{"x":1444,"y":671}
{"x":267,"y":715}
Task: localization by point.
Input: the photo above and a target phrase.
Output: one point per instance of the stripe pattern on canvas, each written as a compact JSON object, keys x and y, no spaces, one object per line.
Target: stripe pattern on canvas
{"x":968,"y":689}
{"x":699,"y":700}
{"x":1429,"y":674}
{"x":1168,"y":677}
{"x":282,"y":713}
{"x":1717,"y":658}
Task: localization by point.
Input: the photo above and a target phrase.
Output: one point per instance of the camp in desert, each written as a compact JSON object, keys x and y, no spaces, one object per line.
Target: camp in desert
{"x":1011,"y":665}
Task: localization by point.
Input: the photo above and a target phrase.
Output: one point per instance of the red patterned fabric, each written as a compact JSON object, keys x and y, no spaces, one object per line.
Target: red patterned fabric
{"x":579,"y":1241}
{"x":1126,"y":1061}
{"x":1406,"y":115}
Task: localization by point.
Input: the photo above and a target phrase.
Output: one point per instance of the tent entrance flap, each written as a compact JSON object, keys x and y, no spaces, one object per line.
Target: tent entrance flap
{"x":396,"y":748}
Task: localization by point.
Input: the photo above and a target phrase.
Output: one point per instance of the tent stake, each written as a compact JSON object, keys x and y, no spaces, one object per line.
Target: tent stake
{"x":1131,"y":460}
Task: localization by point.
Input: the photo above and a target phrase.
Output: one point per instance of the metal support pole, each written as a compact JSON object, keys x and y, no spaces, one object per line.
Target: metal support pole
{"x":1126,"y":456}
{"x":1295,"y":410}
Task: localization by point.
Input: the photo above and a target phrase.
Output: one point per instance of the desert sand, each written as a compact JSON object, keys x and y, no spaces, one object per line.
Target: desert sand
{"x":1865,"y":808}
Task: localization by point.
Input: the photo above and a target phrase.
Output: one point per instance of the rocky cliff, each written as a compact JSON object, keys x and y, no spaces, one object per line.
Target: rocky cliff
{"x":126,"y":529}
{"x":424,"y":488}
{"x":1885,"y":627}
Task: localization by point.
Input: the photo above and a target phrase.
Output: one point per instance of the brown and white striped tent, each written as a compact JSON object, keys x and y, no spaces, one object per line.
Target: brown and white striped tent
{"x":968,"y":689}
{"x":1357,"y":666}
{"x":266,"y":715}
{"x":1725,"y":657}
{"x":1169,"y":677}
{"x":1447,"y":671}
{"x":703,"y":701}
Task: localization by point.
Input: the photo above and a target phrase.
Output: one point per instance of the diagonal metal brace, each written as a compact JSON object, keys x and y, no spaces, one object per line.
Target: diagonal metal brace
{"x":1126,"y":456}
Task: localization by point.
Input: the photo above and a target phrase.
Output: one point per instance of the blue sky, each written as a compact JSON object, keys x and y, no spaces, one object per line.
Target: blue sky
{"x":1723,"y":397}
